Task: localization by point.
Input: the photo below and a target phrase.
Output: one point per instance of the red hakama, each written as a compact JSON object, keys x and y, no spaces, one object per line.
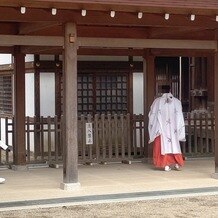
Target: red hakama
{"x":160,"y":160}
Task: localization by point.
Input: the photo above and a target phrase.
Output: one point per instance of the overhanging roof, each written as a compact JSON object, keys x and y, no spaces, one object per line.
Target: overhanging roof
{"x":154,"y":6}
{"x":38,"y":20}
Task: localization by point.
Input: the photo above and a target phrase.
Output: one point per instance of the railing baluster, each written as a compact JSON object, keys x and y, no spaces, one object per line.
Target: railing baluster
{"x":42,"y":138}
{"x":96,"y":139}
{"x":49,"y":138}
{"x":56,"y":137}
{"x":116,"y":136}
{"x":110,"y":145}
{"x":122,"y":136}
{"x":128,"y":135}
{"x":83,"y":137}
{"x":28,"y":138}
{"x":103,"y":136}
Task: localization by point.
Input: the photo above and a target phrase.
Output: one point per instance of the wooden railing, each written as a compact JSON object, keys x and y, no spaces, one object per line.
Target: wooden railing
{"x":200,"y":129}
{"x":115,"y":138}
{"x":111,"y":138}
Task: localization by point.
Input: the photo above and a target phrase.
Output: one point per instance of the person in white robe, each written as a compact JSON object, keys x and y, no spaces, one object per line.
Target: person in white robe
{"x":166,"y":129}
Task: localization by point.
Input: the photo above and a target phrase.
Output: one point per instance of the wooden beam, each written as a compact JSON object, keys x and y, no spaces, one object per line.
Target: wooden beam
{"x":27,"y":28}
{"x":8,"y":28}
{"x":10,"y":40}
{"x":182,"y":52}
{"x":6,"y":49}
{"x":110,"y":52}
{"x":191,"y":33}
{"x":41,"y":50}
{"x":70,"y":148}
{"x":194,"y":33}
{"x":140,"y":52}
{"x":147,"y":43}
{"x":19,"y":106}
{"x":98,"y":46}
{"x":172,"y":6}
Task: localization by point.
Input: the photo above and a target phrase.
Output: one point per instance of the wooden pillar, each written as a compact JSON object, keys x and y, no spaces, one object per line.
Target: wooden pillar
{"x":70,"y":146}
{"x":37,"y":105}
{"x":215,"y":175}
{"x":57,"y":86}
{"x":19,"y":109}
{"x":130,"y":84}
{"x":149,"y":95}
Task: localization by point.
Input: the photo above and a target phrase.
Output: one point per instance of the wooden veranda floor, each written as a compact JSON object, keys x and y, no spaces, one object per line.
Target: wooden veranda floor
{"x":44,"y":183}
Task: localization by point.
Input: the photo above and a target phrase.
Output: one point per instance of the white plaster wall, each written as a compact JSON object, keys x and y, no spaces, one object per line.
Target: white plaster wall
{"x":138,"y":102}
{"x":47,"y":94}
{"x":138,"y":99}
{"x":29,"y":95}
{"x":29,"y":58}
{"x":5,"y":59}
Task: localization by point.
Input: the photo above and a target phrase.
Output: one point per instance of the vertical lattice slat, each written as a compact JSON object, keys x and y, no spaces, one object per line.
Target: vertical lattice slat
{"x":103,"y":136}
{"x":110,"y":145}
{"x":206,"y":133}
{"x":122,"y":136}
{"x":96,"y":139}
{"x":116,"y":136}
{"x":83,"y":132}
{"x":129,"y":135}
{"x":49,"y":138}
{"x":6,"y":137}
{"x":201,"y":117}
{"x":140,"y":134}
{"x":134,"y":134}
{"x":42,"y":138}
{"x":56,"y":137}
{"x":28,"y":138}
{"x":195,"y":134}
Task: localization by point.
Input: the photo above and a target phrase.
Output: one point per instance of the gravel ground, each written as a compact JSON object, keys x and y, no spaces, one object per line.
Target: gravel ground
{"x":204,"y":206}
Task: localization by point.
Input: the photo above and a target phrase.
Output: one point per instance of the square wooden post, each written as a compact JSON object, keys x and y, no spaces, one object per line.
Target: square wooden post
{"x":215,"y":175}
{"x":70,"y":141}
{"x":19,"y":110}
{"x":149,"y":95}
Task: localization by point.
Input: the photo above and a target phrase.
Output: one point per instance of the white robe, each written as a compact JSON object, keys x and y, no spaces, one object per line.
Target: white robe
{"x":166,"y":119}
{"x":3,"y":145}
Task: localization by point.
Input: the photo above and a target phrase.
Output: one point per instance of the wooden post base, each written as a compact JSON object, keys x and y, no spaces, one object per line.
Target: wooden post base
{"x":70,"y":186}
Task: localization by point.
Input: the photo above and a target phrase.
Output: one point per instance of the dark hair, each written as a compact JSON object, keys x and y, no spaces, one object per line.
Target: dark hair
{"x":165,"y":88}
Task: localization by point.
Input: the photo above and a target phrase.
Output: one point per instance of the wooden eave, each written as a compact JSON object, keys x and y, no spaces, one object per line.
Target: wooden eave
{"x":38,"y":21}
{"x":208,"y":7}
